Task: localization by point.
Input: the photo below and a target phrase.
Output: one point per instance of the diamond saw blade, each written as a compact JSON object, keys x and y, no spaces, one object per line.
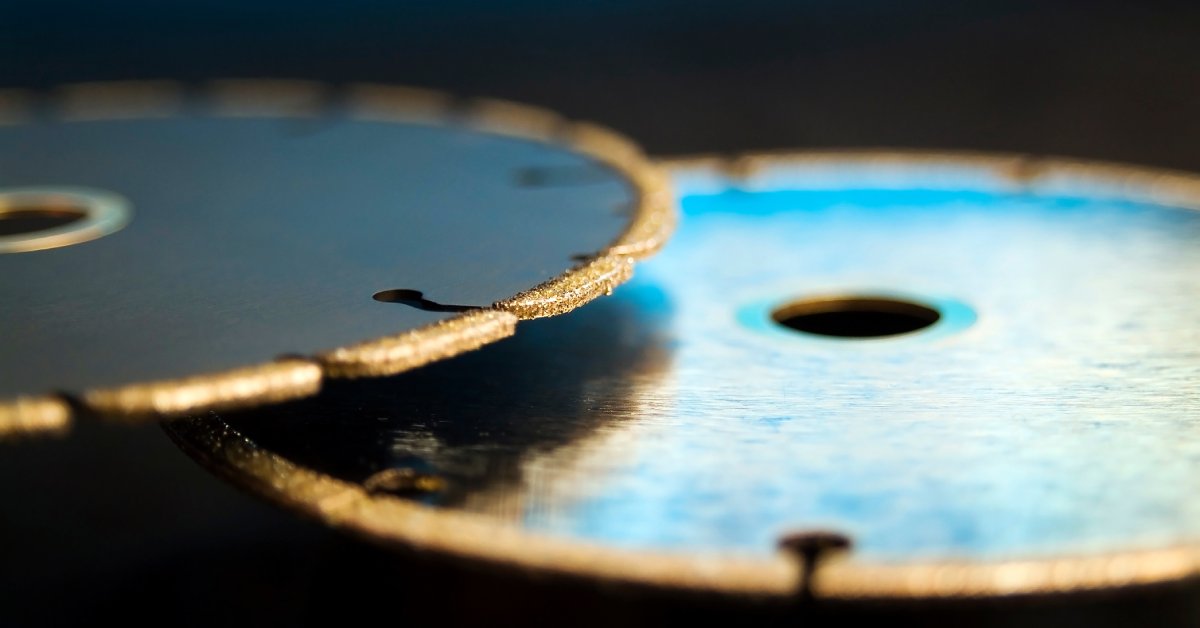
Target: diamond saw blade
{"x":849,"y":376}
{"x":166,"y":248}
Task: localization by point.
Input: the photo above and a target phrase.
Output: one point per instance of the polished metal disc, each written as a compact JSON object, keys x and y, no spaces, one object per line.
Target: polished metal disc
{"x":162,"y":247}
{"x":982,"y":374}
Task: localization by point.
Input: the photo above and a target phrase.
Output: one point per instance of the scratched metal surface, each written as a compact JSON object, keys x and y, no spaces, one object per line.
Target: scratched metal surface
{"x":1055,"y":408}
{"x":261,"y":236}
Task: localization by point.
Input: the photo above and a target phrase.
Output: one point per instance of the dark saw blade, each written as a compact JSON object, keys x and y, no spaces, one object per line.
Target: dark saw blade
{"x":166,"y":248}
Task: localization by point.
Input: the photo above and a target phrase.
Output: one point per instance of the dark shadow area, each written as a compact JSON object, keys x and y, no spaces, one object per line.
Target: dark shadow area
{"x":472,"y":420}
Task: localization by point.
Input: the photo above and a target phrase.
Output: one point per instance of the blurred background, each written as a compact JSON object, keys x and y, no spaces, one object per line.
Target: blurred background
{"x":117,"y":524}
{"x":1098,"y":78}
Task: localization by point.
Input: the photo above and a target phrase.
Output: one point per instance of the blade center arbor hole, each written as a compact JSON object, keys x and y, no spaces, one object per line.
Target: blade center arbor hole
{"x":18,"y":221}
{"x":855,"y":316}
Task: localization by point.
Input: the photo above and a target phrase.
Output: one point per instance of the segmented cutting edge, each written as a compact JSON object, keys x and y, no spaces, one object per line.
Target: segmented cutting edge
{"x":651,"y":222}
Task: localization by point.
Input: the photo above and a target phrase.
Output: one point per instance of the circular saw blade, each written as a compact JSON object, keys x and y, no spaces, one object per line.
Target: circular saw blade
{"x":1035,"y":434}
{"x":233,"y":243}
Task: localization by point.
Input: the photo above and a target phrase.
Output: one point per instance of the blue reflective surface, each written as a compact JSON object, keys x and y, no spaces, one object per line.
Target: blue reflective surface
{"x":1064,"y":418}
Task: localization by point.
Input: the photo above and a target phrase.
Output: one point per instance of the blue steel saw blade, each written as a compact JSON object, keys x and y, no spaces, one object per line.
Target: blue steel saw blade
{"x":1050,"y":409}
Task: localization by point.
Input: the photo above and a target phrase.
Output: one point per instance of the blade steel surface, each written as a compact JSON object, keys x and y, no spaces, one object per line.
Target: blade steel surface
{"x":1053,"y":412}
{"x":259,"y":233}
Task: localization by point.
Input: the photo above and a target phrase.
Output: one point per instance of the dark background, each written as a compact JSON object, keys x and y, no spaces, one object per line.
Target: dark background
{"x":116,"y":523}
{"x":1097,"y":78}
